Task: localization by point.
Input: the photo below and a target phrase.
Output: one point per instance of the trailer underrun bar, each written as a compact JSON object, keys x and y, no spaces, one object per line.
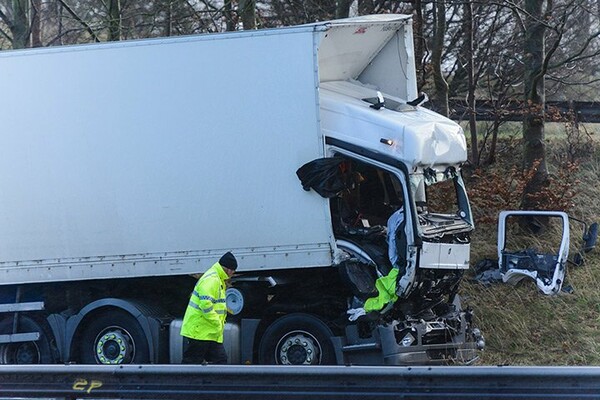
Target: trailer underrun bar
{"x":291,"y":382}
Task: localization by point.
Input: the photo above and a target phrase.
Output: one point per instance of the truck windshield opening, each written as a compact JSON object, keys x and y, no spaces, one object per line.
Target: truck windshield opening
{"x":441,"y":203}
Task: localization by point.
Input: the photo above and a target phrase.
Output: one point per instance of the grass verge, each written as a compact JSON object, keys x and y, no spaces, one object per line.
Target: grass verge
{"x":521,"y":325}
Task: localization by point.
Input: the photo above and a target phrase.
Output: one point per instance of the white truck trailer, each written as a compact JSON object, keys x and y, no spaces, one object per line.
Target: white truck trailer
{"x":129,"y":168}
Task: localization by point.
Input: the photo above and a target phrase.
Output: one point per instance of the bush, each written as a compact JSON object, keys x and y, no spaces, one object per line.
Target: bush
{"x":493,"y":191}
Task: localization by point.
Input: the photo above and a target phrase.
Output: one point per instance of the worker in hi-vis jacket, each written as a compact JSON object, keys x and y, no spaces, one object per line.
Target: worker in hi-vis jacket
{"x":204,"y":319}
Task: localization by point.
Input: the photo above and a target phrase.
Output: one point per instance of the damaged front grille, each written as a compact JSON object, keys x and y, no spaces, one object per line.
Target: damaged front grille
{"x":426,"y":333}
{"x":439,"y":335}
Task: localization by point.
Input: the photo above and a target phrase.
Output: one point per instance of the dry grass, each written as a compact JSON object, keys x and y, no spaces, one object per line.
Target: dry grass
{"x":525,"y":327}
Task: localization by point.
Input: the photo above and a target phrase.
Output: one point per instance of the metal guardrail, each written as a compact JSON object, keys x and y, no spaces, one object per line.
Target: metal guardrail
{"x":291,"y":382}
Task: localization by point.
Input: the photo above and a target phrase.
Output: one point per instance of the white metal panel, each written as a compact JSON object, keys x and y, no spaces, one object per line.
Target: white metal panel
{"x":393,"y":70}
{"x":350,"y":45}
{"x":174,"y":148}
{"x":445,"y":256}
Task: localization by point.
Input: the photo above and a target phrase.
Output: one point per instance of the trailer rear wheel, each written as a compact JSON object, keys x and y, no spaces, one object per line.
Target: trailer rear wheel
{"x":297,"y":339}
{"x":33,"y":352}
{"x":114,"y":337}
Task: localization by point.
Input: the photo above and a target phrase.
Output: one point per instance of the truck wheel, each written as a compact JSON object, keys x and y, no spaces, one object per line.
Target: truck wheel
{"x":115,"y":337}
{"x":297,"y":339}
{"x":34,"y":352}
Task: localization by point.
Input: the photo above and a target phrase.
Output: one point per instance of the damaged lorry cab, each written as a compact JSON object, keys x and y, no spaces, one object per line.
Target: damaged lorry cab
{"x":407,"y":165}
{"x":108,"y":222}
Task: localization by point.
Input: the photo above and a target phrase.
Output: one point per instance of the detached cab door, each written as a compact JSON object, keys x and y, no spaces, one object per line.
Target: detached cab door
{"x":534,"y":257}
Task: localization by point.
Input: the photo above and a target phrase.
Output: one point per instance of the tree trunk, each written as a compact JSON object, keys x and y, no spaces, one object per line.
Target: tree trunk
{"x":342,"y":8}
{"x":366,"y":7}
{"x":440,"y":84}
{"x":59,"y":28}
{"x":230,"y":21}
{"x":419,"y":41}
{"x":114,"y":20}
{"x":247,"y":12}
{"x":468,"y":29}
{"x":533,"y":117}
{"x":168,"y":18}
{"x":20,"y":28}
{"x":36,"y":25}
{"x":493,"y":144}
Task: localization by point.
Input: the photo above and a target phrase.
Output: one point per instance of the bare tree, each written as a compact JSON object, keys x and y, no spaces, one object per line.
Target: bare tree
{"x":437,"y":48}
{"x":114,"y":19}
{"x":247,"y":12}
{"x":36,"y":23}
{"x":342,"y":8}
{"x":470,"y":70}
{"x":546,"y":23}
{"x":15,"y":16}
{"x":555,"y":42}
{"x":420,"y":42}
{"x":535,"y":61}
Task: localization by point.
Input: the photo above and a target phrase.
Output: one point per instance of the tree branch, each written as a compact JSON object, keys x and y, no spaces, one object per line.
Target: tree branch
{"x":5,"y":18}
{"x":518,"y":10}
{"x":572,"y":83}
{"x":78,"y":19}
{"x":578,"y":55}
{"x":552,"y":50}
{"x":6,"y":35}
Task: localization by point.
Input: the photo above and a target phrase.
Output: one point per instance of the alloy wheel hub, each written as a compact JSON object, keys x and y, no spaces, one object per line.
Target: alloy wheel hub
{"x":299,"y":348}
{"x":114,"y":347}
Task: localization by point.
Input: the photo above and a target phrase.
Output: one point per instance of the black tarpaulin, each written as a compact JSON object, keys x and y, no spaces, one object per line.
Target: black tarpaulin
{"x":323,"y":175}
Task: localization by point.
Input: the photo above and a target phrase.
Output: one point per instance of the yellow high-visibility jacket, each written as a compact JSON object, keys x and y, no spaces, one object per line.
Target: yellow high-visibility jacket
{"x":204,"y":317}
{"x":386,"y":287}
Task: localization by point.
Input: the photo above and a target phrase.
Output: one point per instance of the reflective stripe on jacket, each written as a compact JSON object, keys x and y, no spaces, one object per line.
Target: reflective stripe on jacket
{"x":204,"y":317}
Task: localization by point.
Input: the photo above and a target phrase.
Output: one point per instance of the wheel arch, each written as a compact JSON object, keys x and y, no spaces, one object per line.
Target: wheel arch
{"x":140,"y":311}
{"x":45,"y":344}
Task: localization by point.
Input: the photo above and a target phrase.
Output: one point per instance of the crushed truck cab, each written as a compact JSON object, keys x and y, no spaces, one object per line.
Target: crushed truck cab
{"x":398,"y":160}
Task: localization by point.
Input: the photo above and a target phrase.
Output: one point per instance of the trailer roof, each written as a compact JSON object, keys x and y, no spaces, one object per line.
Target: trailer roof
{"x":364,"y":19}
{"x":316,"y":26}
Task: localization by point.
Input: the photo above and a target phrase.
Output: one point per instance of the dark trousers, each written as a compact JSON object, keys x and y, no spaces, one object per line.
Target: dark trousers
{"x":200,"y":351}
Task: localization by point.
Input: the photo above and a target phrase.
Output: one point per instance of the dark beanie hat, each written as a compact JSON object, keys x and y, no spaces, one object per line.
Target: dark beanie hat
{"x":228,"y":261}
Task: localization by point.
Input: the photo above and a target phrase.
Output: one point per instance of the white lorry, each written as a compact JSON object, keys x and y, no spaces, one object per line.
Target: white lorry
{"x":129,"y":168}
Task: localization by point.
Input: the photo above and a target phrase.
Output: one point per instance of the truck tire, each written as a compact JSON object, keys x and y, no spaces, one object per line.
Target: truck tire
{"x":114,"y":337}
{"x":297,"y":339}
{"x":35,"y":352}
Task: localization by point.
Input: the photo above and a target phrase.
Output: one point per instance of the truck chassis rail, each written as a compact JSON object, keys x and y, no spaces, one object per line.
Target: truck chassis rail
{"x":290,"y":382}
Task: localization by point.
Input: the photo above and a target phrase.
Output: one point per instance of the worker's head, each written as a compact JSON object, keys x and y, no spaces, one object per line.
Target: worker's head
{"x":229,"y":263}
